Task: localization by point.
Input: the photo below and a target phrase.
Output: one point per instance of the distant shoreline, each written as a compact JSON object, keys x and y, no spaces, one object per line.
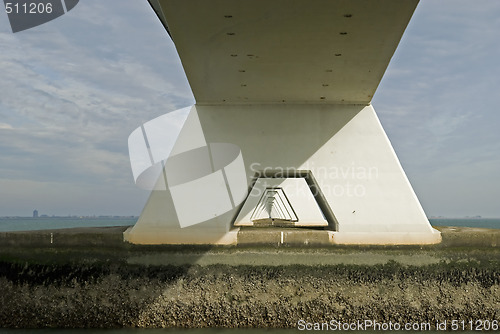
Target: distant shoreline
{"x":68,"y":217}
{"x":44,"y":223}
{"x":133,"y":216}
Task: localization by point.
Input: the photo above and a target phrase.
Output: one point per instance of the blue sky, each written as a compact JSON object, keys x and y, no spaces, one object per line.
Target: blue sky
{"x":73,"y":89}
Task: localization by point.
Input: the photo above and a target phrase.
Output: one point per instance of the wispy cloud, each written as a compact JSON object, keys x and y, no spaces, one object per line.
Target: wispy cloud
{"x":5,"y":126}
{"x":438,"y":97}
{"x":72,"y":90}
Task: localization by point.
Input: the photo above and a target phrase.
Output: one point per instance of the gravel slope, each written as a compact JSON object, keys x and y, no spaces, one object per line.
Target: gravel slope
{"x":113,"y":295}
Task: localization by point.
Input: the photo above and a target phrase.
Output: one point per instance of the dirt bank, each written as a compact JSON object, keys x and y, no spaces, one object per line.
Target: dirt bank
{"x":121,"y":295}
{"x":82,"y":280}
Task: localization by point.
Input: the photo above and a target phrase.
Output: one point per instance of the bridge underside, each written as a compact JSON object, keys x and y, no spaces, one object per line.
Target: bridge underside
{"x":281,"y":51}
{"x":280,"y":86}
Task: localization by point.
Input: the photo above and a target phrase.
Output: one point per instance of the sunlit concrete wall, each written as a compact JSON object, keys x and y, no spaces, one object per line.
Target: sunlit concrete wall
{"x":345,"y":148}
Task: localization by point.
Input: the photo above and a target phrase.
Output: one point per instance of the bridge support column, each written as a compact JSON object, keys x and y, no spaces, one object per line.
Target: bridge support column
{"x":343,"y":146}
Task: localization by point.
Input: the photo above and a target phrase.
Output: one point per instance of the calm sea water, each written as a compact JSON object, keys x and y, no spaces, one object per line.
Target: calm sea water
{"x":29,"y":224}
{"x":467,"y":222}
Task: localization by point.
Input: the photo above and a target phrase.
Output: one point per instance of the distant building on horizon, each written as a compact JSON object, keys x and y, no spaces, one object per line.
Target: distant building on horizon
{"x":35,"y":213}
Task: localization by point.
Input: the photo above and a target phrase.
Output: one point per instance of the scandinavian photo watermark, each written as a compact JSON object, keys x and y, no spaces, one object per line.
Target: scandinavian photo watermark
{"x":349,"y":179}
{"x":373,"y":325}
{"x":26,"y":14}
{"x":351,"y":171}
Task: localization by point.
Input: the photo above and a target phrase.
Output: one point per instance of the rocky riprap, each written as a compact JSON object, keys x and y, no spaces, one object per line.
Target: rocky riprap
{"x":114,"y":294}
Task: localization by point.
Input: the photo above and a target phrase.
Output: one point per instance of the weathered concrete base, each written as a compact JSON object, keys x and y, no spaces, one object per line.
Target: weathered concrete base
{"x":283,"y":236}
{"x":288,"y":236}
{"x":244,"y":236}
{"x":387,"y":238}
{"x":177,"y":238}
{"x":322,"y":237}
